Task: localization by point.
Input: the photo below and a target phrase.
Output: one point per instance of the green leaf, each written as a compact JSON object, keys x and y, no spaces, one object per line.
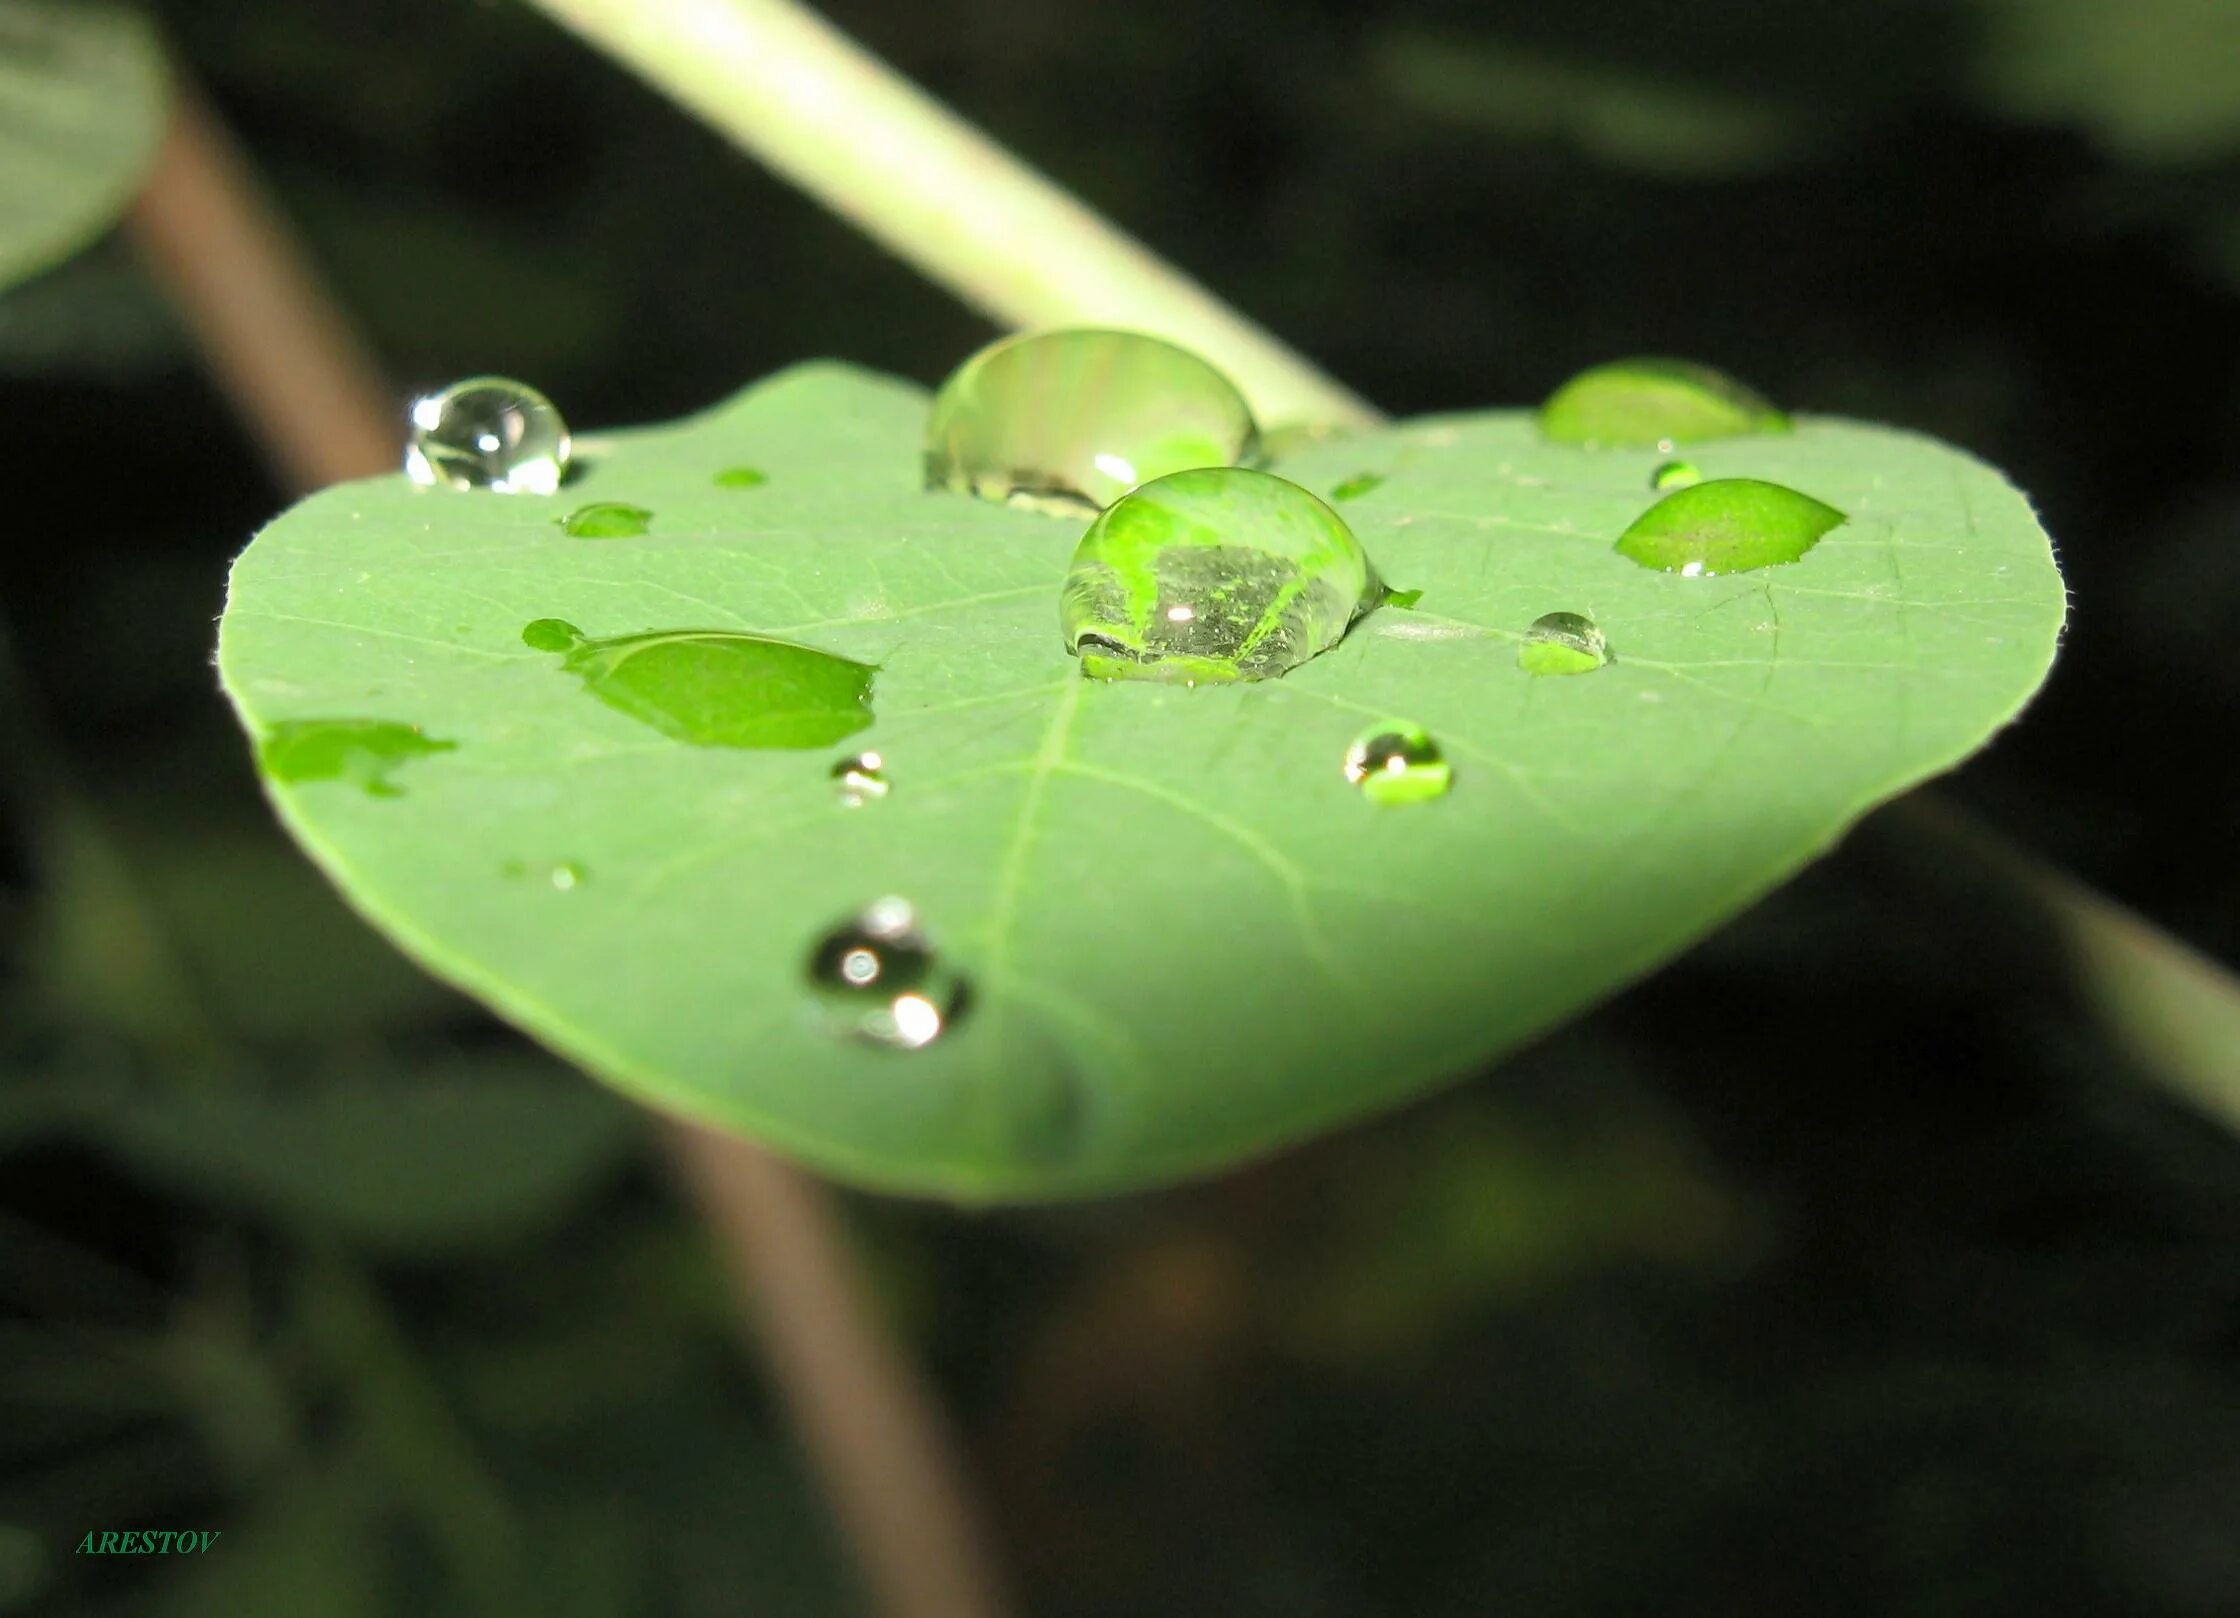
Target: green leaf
{"x":1189,"y":939}
{"x":82,"y":101}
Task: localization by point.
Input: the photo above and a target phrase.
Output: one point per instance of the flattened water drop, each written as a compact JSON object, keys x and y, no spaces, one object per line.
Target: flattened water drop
{"x":715,"y":687}
{"x":562,"y":876}
{"x":488,"y":432}
{"x":1355,"y":487}
{"x":1396,"y":761}
{"x":1068,"y":421}
{"x":363,"y":752}
{"x":878,"y":978}
{"x":1674,"y":475}
{"x":741,"y":477}
{"x":608,"y":519}
{"x":1403,"y":599}
{"x":1562,"y":643}
{"x":1218,"y":574}
{"x":860,"y":780}
{"x":1729,"y":525}
{"x":1655,"y":403}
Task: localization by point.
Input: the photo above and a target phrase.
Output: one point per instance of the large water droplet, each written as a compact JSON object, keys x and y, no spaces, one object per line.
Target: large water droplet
{"x":714,"y":687}
{"x":1562,"y":643}
{"x":860,"y":780}
{"x":1070,"y":420}
{"x":1656,"y":403}
{"x":608,"y":519}
{"x":877,"y":978}
{"x":1398,"y":762}
{"x":363,"y":752}
{"x":1729,"y":525}
{"x":1218,"y":574}
{"x":488,"y":432}
{"x":1672,"y":475}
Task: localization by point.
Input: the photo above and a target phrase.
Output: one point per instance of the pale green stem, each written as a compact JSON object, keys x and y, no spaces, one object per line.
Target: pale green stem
{"x":848,"y":130}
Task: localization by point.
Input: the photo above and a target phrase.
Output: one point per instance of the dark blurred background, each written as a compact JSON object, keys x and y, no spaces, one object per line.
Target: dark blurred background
{"x":1846,"y":1267}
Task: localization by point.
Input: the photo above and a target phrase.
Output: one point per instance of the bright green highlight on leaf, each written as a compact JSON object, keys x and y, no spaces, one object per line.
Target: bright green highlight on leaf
{"x":1728,"y":525}
{"x":363,"y":752}
{"x":1654,"y":403}
{"x":1068,"y":421}
{"x":1396,"y":761}
{"x":1355,"y":487}
{"x":716,"y":688}
{"x":1214,"y":575}
{"x":83,"y":98}
{"x":488,"y":432}
{"x":1188,"y":939}
{"x":878,"y":979}
{"x":608,"y":519}
{"x":1562,"y":643}
{"x":741,"y":477}
{"x":1674,"y":475}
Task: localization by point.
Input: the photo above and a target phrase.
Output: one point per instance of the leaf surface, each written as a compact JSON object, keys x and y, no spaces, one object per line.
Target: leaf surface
{"x":1188,"y":938}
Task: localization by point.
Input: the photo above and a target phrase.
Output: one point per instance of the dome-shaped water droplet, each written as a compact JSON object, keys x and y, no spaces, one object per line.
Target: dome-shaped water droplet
{"x":488,"y":432}
{"x":1070,"y":420}
{"x":877,"y":978}
{"x":1562,"y":643}
{"x":860,"y":780}
{"x":1729,"y":525}
{"x":608,"y":519}
{"x":1654,"y":403}
{"x":1398,"y":762}
{"x":1671,"y":475}
{"x":1218,"y":574}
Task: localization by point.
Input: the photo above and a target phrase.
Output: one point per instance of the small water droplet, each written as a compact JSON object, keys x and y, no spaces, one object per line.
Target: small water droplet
{"x":1672,"y":475}
{"x":488,"y":432}
{"x":1355,"y":487}
{"x":1654,"y":402}
{"x":1398,"y":762}
{"x":1217,"y":574}
{"x":715,"y":687}
{"x":1402,"y":599}
{"x":877,"y":978}
{"x":608,"y":519}
{"x":562,"y":876}
{"x":860,"y":780}
{"x":363,"y":752}
{"x":1728,"y":525}
{"x":1068,"y":421}
{"x":1562,"y":643}
{"x":741,"y":477}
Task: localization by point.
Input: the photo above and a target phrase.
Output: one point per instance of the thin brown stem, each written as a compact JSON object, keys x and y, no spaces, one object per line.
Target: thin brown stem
{"x":300,"y":379}
{"x":308,"y":390}
{"x":866,"y":1421}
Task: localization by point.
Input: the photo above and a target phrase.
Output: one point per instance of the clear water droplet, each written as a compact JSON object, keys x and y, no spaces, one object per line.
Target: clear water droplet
{"x":1403,"y":599}
{"x":741,"y":477}
{"x":562,"y":876}
{"x":877,"y":978}
{"x":1217,"y":574}
{"x":1657,"y":403}
{"x":607,"y":519}
{"x":1396,"y":761}
{"x":860,"y":780}
{"x":362,"y":752}
{"x":1355,"y":487}
{"x":1068,"y":421}
{"x":1563,"y":643}
{"x":1728,"y":525}
{"x":715,"y":687}
{"x":488,"y":432}
{"x":1671,"y":475}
